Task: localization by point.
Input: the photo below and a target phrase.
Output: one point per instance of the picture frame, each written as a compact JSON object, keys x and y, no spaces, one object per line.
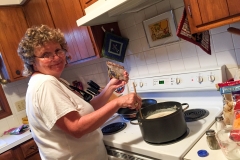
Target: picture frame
{"x":161,"y":29}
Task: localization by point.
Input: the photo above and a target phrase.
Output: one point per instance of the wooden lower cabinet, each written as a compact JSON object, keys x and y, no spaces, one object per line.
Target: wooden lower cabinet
{"x":25,"y":151}
{"x":8,"y":155}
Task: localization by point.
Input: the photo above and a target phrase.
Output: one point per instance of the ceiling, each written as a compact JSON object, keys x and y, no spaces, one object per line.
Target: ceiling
{"x":11,"y":2}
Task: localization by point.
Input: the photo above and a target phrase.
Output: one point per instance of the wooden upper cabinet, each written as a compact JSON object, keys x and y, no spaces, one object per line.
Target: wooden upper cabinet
{"x":64,"y":16}
{"x":206,"y":14}
{"x":36,"y":17}
{"x":87,"y":3}
{"x":13,"y":26}
{"x":233,"y":7}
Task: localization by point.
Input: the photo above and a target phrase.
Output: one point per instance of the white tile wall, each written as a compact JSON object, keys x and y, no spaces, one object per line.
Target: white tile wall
{"x":142,"y":60}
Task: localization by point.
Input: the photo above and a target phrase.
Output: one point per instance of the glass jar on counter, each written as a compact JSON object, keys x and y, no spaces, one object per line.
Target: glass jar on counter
{"x":229,"y":147}
{"x":211,"y":140}
{"x":219,"y":124}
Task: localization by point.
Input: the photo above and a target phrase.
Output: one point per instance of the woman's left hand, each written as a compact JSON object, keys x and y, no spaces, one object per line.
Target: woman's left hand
{"x":115,"y":83}
{"x":106,"y":93}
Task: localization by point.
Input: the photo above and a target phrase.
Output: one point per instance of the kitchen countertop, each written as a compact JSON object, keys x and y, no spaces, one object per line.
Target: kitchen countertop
{"x":14,"y":140}
{"x":202,"y":145}
{"x":9,"y":141}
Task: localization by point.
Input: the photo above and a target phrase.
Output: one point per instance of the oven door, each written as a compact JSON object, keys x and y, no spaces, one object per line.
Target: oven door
{"x":113,"y":158}
{"x":116,"y":154}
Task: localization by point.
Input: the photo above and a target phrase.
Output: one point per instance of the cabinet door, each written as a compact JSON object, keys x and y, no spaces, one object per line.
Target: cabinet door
{"x":64,"y":16}
{"x":35,"y":156}
{"x":13,"y":26}
{"x":233,"y":7}
{"x":37,"y":13}
{"x":206,"y":14}
{"x":5,"y":110}
{"x":86,"y":3}
{"x":8,"y":155}
{"x":29,"y":148}
{"x":204,"y":11}
{"x":26,"y":151}
{"x":212,"y":10}
{"x":99,"y":35}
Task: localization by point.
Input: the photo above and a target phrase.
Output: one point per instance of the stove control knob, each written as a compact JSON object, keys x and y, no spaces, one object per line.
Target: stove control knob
{"x":200,"y":79}
{"x":177,"y":80}
{"x":141,"y":84}
{"x":211,"y":78}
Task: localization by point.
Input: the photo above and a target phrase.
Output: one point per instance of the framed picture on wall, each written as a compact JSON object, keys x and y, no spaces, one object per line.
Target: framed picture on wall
{"x":161,"y":29}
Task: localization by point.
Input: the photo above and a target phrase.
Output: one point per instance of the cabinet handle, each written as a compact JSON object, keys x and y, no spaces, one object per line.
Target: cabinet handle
{"x":68,"y":58}
{"x":189,"y":11}
{"x":88,"y":1}
{"x":18,"y":72}
{"x":32,"y":147}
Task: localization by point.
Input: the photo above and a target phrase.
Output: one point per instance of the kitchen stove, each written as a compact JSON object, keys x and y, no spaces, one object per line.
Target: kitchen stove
{"x":196,"y":87}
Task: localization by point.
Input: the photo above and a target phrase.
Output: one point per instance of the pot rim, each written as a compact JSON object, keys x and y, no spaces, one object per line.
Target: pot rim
{"x":167,"y":116}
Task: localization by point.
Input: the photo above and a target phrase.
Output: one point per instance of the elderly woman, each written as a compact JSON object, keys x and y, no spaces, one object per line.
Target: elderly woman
{"x":64,"y":125}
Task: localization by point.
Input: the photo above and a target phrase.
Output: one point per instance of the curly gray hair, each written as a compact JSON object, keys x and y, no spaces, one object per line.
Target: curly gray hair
{"x":37,"y":36}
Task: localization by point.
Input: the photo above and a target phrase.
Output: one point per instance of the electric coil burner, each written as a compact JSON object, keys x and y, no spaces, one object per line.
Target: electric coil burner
{"x":195,"y":114}
{"x":113,"y":128}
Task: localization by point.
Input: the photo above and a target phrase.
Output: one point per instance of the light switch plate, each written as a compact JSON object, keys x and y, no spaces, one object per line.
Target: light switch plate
{"x":20,"y":105}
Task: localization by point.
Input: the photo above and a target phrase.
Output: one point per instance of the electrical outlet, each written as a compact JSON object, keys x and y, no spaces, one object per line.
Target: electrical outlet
{"x":20,"y":105}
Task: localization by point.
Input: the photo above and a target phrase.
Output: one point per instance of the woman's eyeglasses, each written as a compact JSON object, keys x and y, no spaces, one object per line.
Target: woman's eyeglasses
{"x":50,"y":55}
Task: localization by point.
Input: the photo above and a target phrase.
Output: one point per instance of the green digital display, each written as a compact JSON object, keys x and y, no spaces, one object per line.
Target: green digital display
{"x":161,"y":82}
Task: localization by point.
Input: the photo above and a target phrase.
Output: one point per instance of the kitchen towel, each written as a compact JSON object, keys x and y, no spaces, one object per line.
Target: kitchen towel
{"x":201,"y":39}
{"x":114,"y":47}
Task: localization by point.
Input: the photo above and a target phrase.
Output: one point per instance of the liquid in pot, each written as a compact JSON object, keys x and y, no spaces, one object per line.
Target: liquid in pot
{"x":160,"y":114}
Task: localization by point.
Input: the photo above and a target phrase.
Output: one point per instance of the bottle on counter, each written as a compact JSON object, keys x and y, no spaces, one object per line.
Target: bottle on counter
{"x":211,"y":140}
{"x":219,"y":124}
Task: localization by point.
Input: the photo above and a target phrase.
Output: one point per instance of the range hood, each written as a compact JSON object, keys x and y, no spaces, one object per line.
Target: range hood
{"x":106,"y":11}
{"x":11,"y":2}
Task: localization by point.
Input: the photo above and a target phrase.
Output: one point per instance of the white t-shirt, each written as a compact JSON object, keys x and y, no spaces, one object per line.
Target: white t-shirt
{"x":47,"y":100}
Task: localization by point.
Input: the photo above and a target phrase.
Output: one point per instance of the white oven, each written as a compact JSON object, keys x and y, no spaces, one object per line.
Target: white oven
{"x":195,"y":87}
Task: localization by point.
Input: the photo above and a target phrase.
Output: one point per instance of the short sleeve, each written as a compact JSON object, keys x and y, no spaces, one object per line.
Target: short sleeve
{"x":53,"y":102}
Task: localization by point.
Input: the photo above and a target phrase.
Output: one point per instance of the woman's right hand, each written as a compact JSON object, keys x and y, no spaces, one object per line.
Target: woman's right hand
{"x":131,"y":100}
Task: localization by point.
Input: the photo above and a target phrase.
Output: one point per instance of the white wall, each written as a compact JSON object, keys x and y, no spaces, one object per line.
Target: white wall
{"x":140,"y":59}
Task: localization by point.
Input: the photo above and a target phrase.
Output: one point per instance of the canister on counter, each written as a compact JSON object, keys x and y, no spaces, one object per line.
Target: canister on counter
{"x":219,"y":124}
{"x":211,"y":140}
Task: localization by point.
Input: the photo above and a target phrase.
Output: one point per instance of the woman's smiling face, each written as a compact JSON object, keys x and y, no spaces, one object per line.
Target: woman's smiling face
{"x":49,"y":66}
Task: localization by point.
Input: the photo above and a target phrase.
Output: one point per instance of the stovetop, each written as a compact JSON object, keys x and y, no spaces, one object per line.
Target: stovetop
{"x":130,"y":139}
